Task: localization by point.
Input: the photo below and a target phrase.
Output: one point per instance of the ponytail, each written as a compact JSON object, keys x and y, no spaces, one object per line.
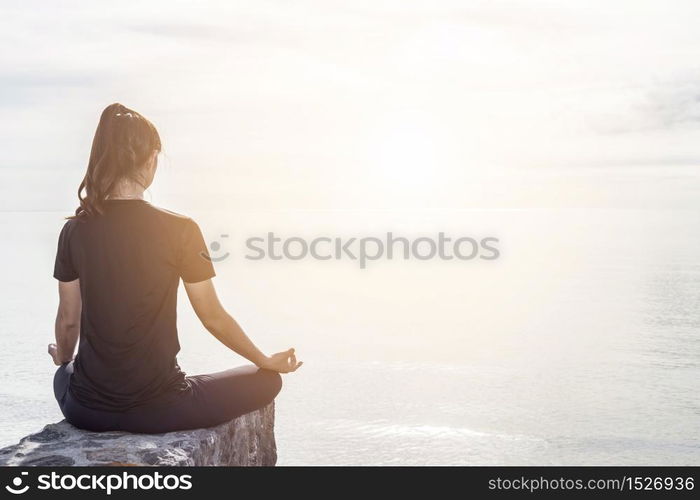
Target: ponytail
{"x":123,"y":143}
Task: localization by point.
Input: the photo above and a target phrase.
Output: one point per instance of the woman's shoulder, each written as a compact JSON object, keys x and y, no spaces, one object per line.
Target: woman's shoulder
{"x":69,"y":225}
{"x":171,"y":216}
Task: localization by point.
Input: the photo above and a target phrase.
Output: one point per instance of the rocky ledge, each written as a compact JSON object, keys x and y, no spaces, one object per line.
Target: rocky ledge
{"x":246,"y":440}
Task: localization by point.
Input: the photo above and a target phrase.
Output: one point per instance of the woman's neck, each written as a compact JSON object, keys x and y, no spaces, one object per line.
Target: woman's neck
{"x":126,"y":190}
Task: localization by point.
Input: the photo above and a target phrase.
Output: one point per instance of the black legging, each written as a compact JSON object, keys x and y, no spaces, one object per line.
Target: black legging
{"x":210,"y":400}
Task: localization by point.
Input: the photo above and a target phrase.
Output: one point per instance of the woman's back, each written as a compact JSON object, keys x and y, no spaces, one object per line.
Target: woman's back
{"x":119,"y":263}
{"x":129,"y":261}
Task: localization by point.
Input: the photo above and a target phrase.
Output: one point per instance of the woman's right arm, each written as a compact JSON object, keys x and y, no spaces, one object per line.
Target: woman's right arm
{"x":221,"y":325}
{"x":67,"y":322}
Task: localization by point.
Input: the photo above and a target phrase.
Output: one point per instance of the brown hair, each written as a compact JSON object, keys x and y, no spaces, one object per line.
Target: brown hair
{"x":123,"y":143}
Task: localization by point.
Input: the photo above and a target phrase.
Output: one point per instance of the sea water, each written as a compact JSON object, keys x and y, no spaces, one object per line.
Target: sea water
{"x":580,"y":344}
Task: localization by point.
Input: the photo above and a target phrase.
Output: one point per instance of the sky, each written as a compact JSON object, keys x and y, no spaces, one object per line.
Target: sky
{"x":363,"y":104}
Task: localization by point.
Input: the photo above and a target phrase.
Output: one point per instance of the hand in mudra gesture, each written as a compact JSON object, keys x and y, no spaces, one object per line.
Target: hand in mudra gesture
{"x":55,"y":356}
{"x":282,"y":362}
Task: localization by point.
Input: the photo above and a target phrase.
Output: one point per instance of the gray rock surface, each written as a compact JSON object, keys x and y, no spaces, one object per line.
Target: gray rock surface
{"x":246,"y":440}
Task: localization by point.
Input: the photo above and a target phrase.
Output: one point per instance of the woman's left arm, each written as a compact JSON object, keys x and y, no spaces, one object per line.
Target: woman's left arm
{"x":67,"y":322}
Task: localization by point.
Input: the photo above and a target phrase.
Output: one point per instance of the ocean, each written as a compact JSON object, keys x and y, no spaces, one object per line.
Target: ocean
{"x":580,"y":344}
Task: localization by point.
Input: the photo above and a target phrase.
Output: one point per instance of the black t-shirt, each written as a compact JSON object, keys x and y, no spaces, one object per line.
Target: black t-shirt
{"x":129,"y":260}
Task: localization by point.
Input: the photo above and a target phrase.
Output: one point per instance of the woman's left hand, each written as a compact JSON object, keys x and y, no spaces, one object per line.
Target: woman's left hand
{"x":282,"y":362}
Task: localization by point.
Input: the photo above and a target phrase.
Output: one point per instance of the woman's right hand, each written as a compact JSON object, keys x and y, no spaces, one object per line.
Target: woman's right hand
{"x":53,"y":352}
{"x":282,"y":362}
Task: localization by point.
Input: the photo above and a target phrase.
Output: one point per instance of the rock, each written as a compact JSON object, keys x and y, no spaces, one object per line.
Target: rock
{"x":246,"y":440}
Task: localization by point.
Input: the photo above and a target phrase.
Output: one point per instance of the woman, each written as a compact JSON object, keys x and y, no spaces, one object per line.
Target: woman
{"x":119,"y":264}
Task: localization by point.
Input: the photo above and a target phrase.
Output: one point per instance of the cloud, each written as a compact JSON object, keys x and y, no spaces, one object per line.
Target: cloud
{"x":668,"y":107}
{"x":675,"y":104}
